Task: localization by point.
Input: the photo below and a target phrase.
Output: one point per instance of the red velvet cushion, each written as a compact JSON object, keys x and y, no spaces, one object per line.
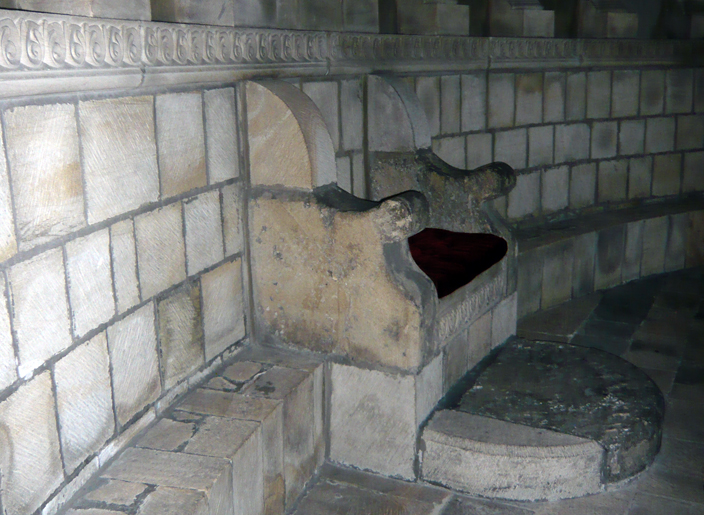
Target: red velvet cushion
{"x":452,"y":259}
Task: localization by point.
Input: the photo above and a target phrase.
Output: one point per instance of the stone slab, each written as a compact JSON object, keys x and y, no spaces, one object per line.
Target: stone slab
{"x":223,"y":308}
{"x":221,"y":135}
{"x":204,"y":235}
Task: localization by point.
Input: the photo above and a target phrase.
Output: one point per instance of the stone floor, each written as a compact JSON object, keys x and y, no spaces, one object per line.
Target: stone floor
{"x":656,"y":323}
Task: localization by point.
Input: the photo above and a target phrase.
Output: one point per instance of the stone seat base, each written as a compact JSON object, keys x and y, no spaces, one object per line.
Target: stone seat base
{"x":546,"y":421}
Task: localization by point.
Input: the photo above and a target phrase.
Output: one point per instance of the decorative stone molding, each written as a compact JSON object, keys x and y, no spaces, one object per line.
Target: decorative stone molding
{"x":44,"y":53}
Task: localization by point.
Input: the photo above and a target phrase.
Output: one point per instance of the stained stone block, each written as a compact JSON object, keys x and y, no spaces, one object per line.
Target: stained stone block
{"x":604,"y":139}
{"x":450,"y":104}
{"x":84,"y":401}
{"x":529,"y":281}
{"x":529,"y":98}
{"x":429,"y":388}
{"x":623,"y":93}
{"x":360,"y":16}
{"x":42,"y":151}
{"x":351,"y":114}
{"x":631,"y":137}
{"x":666,"y":174}
{"x":690,"y":132}
{"x":583,"y":268}
{"x":359,"y":176}
{"x":582,"y":185}
{"x":479,"y":339}
{"x":371,"y":426}
{"x":473,"y":88}
{"x":451,"y":150}
{"x":654,"y":245}
{"x":41,"y":318}
{"x":90,"y":281}
{"x":428,"y":91}
{"x":598,"y":94}
{"x":219,"y":12}
{"x":8,"y":367}
{"x":613,"y":177}
{"x":221,"y":134}
{"x":480,"y":149}
{"x":124,"y":264}
{"x":325,"y":96}
{"x":232,"y":218}
{"x":571,"y":142}
{"x":659,"y":135}
{"x":695,"y":237}
{"x":540,"y":145}
{"x":456,"y":358}
{"x":555,"y":189}
{"x":678,"y":92}
{"x":119,"y":155}
{"x":524,"y":199}
{"x":609,"y":257}
{"x":30,"y":443}
{"x":160,"y":249}
{"x":344,"y":173}
{"x":501,"y":100}
{"x":652,"y":92}
{"x":167,"y":435}
{"x":204,"y":245}
{"x":554,"y":97}
{"x":115,"y":492}
{"x":633,"y":251}
{"x":223,"y":312}
{"x":510,"y":147}
{"x":174,"y":501}
{"x":181,"y":143}
{"x":436,"y":18}
{"x":135,"y":366}
{"x":639,"y":177}
{"x":676,"y":242}
{"x":576,"y":96}
{"x":180,"y":334}
{"x":557,"y":273}
{"x":8,"y":241}
{"x":693,"y":179}
{"x":503,"y":320}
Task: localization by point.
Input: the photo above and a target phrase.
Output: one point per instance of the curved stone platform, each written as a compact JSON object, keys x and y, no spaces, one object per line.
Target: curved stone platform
{"x":546,"y":421}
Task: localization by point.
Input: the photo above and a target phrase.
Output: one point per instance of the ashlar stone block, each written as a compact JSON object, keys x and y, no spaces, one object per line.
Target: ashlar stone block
{"x":8,"y":365}
{"x":344,"y":173}
{"x":666,"y":174}
{"x":524,"y":199}
{"x":598,"y":94}
{"x":623,"y":93}
{"x":652,"y":92}
{"x":583,"y":268}
{"x":554,"y":97}
{"x":232,"y":218}
{"x":450,"y":104}
{"x":503,"y":320}
{"x":511,"y":147}
{"x":582,"y":185}
{"x":360,"y":16}
{"x":89,"y":273}
{"x":604,"y":139}
{"x":352,"y":114}
{"x":555,"y":189}
{"x":676,"y":242}
{"x":695,"y":236}
{"x":654,"y":245}
{"x":659,"y":135}
{"x":325,"y":95}
{"x":204,"y":236}
{"x":501,"y":100}
{"x":633,"y":251}
{"x":8,"y":240}
{"x":480,"y":149}
{"x":473,"y":90}
{"x":455,"y":358}
{"x":124,"y":264}
{"x":135,"y":365}
{"x":690,"y":132}
{"x":174,"y":501}
{"x":219,"y":12}
{"x":557,"y":273}
{"x":609,"y":257}
{"x":160,"y":249}
{"x":679,"y":90}
{"x":529,"y":98}
{"x":42,"y":151}
{"x":479,"y":339}
{"x":451,"y":150}
{"x":119,"y":155}
{"x":30,"y":443}
{"x":167,"y":435}
{"x":529,"y":281}
{"x":612,"y":181}
{"x":631,"y":137}
{"x":571,"y":142}
{"x":640,"y":175}
{"x":429,"y":388}
{"x":41,"y":318}
{"x":221,"y":134}
{"x":180,"y":334}
{"x":576,"y":96}
{"x":84,"y":401}
{"x":223,"y":308}
{"x":181,"y":142}
{"x":693,"y":179}
{"x":428,"y":91}
{"x":540,"y":145}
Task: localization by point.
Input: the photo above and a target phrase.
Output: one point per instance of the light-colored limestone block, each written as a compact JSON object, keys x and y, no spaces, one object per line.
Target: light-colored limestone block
{"x":558,"y":263}
{"x":160,"y":249}
{"x":529,"y":98}
{"x":571,"y":142}
{"x":84,"y":401}
{"x":455,"y":359}
{"x":204,"y":245}
{"x":289,"y":143}
{"x":503,"y":320}
{"x":598,"y":94}
{"x":344,"y":173}
{"x":666,"y":174}
{"x":119,"y":155}
{"x":428,"y":91}
{"x":632,"y":252}
{"x":612,"y":180}
{"x":174,"y":501}
{"x":8,"y":365}
{"x":223,"y":310}
{"x":582,"y":185}
{"x":90,"y":281}
{"x":693,"y":179}
{"x":510,"y":147}
{"x":450,"y":104}
{"x":576,"y":96}
{"x":501,"y":100}
{"x":640,"y":174}
{"x":690,"y":132}
{"x":631,"y":138}
{"x":583,"y":268}
{"x":232,"y":218}
{"x":166,"y":435}
{"x":127,"y":10}
{"x":29,"y":446}
{"x":659,"y":135}
{"x":41,"y":318}
{"x":604,"y":139}
{"x":359,"y":176}
{"x":529,"y":281}
{"x":114,"y":491}
{"x":221,"y":135}
{"x":678,"y":91}
{"x":480,"y":149}
{"x":42,"y":150}
{"x":480,"y":342}
{"x":429,"y":388}
{"x":654,"y":245}
{"x":135,"y":366}
{"x":218,"y":12}
{"x":8,"y":241}
{"x":180,"y":334}
{"x":181,"y":142}
{"x":652,"y":92}
{"x":554,"y":97}
{"x":451,"y":150}
{"x":254,"y":14}
{"x":125,"y":438}
{"x":124,"y":264}
{"x":624,"y":97}
{"x":371,"y":426}
{"x":351,"y":114}
{"x":555,"y":189}
{"x":524,"y":199}
{"x":325,"y":96}
{"x":473,"y":90}
{"x":540,"y":145}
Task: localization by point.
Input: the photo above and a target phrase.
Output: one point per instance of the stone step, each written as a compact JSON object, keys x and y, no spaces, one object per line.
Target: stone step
{"x":546,"y":421}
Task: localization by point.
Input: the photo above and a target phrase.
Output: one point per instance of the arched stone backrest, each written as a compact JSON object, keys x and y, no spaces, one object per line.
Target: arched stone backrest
{"x":289,"y":144}
{"x":397,"y":122}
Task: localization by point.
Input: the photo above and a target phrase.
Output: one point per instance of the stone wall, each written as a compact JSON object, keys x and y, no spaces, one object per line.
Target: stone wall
{"x":122,"y":278}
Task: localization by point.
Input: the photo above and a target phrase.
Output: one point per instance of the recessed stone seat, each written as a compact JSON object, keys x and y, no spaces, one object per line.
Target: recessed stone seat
{"x":546,"y":421}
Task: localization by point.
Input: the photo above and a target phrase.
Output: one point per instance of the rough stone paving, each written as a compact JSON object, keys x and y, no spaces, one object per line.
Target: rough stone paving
{"x":575,"y":390}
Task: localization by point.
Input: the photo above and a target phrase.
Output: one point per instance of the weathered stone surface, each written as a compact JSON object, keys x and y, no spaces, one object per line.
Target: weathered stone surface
{"x":160,"y":249}
{"x":501,"y":100}
{"x":29,"y":437}
{"x":582,"y":185}
{"x":180,"y":334}
{"x":473,"y":90}
{"x":652,"y":92}
{"x":450,"y":112}
{"x":540,"y":145}
{"x":659,"y":135}
{"x":167,"y":435}
{"x":124,"y":264}
{"x":654,"y":245}
{"x":695,"y":237}
{"x":325,"y":96}
{"x":221,"y":134}
{"x":232,"y":218}
{"x":204,"y":236}
{"x":632,"y":252}
{"x":114,"y":491}
{"x":181,"y":142}
{"x":455,"y":358}
{"x":583,"y":268}
{"x":42,"y":151}
{"x":640,"y":176}
{"x":219,"y":12}
{"x":223,"y":309}
{"x":8,"y":240}
{"x":344,"y":173}
{"x":84,"y":401}
{"x":129,"y":9}
{"x":119,"y":155}
{"x":480,"y":340}
{"x":623,"y":93}
{"x":124,"y":438}
{"x":598,"y":94}
{"x":8,"y":366}
{"x":576,"y":96}
{"x":676,"y":242}
{"x":678,"y":91}
{"x":690,"y":132}
{"x":571,"y":142}
{"x":612,"y":180}
{"x":451,"y":150}
{"x":378,"y":403}
{"x":524,"y":199}
{"x":557,"y":273}
{"x":429,"y":388}
{"x":529,"y":98}
{"x":529,"y":281}
{"x":41,"y":318}
{"x":175,"y":501}
{"x":510,"y":147}
{"x":693,"y":179}
{"x":555,"y":189}
{"x":351,"y":114}
{"x":480,"y":149}
{"x":604,"y":139}
{"x":89,"y":273}
{"x":554,"y":97}
{"x":428,"y":91}
{"x":135,"y":366}
{"x":558,"y":324}
{"x":360,"y":16}
{"x":437,"y":18}
{"x":667,"y":170}
{"x":503,"y":320}
{"x":609,"y":257}
{"x":631,"y":138}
